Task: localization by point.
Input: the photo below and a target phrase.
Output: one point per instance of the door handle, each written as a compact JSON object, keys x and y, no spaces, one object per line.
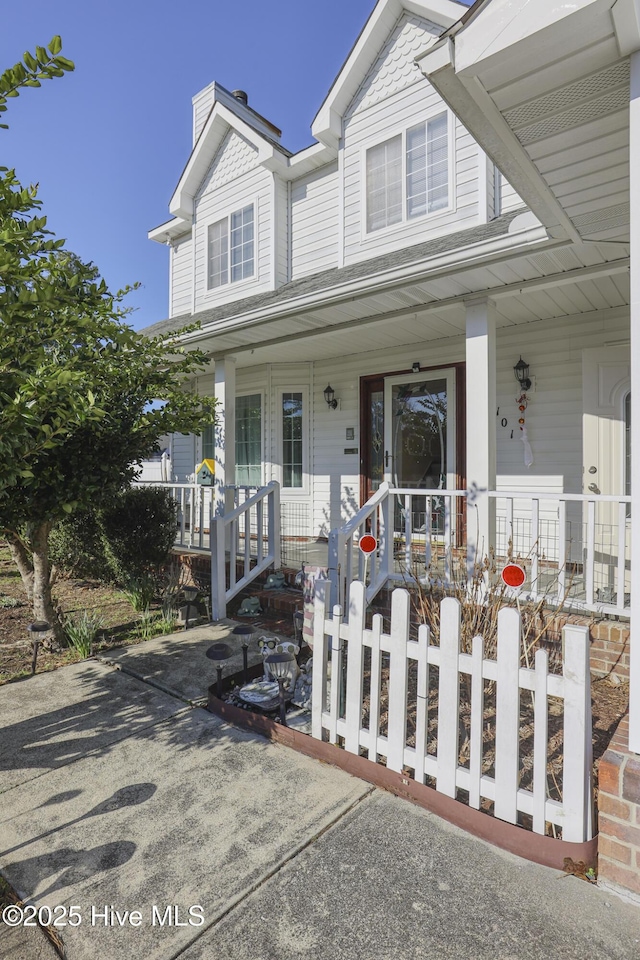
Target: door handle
{"x":593,"y":469}
{"x":594,"y":488}
{"x":387,"y":457}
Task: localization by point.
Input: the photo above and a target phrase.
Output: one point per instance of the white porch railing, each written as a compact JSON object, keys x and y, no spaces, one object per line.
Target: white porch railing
{"x":195,"y":510}
{"x":250,"y":534}
{"x":383,"y":686}
{"x":245,"y":537}
{"x":575,"y":548}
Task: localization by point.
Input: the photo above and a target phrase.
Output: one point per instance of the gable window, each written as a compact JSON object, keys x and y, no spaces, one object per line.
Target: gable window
{"x":408,"y":175}
{"x":230,"y":248}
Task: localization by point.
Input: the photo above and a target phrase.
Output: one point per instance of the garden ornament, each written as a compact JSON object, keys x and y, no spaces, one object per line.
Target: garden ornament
{"x":250,"y":607}
{"x":275,"y":581}
{"x":269,"y":645}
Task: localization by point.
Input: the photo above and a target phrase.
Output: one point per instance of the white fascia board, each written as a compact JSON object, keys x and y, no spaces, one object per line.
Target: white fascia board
{"x":474,"y":107}
{"x":508,"y":28}
{"x":308,"y":160}
{"x":528,"y":239}
{"x":626,"y":23}
{"x":220,"y":119}
{"x":177,"y":227}
{"x":327,"y":125}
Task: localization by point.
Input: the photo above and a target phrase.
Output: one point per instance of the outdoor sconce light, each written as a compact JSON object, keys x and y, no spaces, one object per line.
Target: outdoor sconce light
{"x":330,"y":396}
{"x":245,"y":632}
{"x":36,"y":632}
{"x":521,"y":371}
{"x":279,"y":664}
{"x":416,"y":367}
{"x":219,"y":652}
{"x":190,"y":594}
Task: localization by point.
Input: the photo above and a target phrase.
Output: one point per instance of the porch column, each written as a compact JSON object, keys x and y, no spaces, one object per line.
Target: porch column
{"x":634,"y":183}
{"x":481,"y":426}
{"x":225,"y":432}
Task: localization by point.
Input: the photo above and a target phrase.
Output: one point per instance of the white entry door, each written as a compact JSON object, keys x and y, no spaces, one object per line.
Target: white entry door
{"x":606,"y":385}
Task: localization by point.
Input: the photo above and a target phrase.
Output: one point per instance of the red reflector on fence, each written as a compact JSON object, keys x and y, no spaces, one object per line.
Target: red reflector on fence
{"x":513,"y":575}
{"x":367,"y":543}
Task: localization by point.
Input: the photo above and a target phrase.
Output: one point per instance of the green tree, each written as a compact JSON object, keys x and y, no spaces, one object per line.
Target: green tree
{"x":83,"y":397}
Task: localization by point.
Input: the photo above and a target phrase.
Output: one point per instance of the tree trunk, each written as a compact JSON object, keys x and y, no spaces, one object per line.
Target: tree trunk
{"x":43,"y":608}
{"x":23,"y":562}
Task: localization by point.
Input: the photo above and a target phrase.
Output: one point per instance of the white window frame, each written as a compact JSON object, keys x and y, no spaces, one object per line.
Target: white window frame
{"x":406,"y":221}
{"x":263,"y":420}
{"x":226,"y":215}
{"x":303,"y":491}
{"x":199,"y":450}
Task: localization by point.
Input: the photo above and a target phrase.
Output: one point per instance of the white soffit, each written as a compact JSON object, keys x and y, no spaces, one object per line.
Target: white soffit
{"x":511,"y":29}
{"x":541,"y":86}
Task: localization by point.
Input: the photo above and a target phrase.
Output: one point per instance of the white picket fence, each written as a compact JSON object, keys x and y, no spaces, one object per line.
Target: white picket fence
{"x":337,"y":708}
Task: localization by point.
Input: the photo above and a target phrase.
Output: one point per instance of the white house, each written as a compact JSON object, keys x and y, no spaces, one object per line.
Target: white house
{"x":465,"y":206}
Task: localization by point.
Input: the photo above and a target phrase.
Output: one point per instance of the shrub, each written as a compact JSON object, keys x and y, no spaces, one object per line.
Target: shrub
{"x":76,"y":546}
{"x":138,"y":531}
{"x":123,"y":540}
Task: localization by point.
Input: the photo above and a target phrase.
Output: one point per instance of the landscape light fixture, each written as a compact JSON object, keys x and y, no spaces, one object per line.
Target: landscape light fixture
{"x":521,"y":371}
{"x":279,"y":664}
{"x":330,"y":397}
{"x":245,"y":632}
{"x":219,"y":652}
{"x":190,"y":594}
{"x":36,"y":632}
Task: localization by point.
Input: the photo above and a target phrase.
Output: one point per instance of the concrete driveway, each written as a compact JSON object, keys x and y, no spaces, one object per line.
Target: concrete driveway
{"x":155,"y":828}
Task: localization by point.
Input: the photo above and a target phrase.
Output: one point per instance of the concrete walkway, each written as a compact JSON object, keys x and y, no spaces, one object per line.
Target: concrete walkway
{"x":121,"y":800}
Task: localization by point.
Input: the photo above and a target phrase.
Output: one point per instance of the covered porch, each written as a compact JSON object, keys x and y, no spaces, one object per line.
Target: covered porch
{"x":421,"y":442}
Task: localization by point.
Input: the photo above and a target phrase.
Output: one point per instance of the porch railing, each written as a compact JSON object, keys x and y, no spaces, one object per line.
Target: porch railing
{"x":250,"y":535}
{"x":575,"y":548}
{"x":195,"y":510}
{"x":244,"y":541}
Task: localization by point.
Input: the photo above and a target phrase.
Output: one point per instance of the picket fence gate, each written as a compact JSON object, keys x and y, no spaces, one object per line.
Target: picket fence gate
{"x":337,"y":707}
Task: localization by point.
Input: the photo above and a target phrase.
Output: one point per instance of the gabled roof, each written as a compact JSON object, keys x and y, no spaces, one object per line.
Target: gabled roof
{"x":227,"y":112}
{"x":327,"y":125}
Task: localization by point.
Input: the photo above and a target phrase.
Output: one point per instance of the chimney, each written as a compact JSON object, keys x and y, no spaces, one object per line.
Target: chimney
{"x":241,"y":96}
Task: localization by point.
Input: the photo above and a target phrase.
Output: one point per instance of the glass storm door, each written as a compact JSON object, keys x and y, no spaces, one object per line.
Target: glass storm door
{"x":419,"y":438}
{"x":419,"y":431}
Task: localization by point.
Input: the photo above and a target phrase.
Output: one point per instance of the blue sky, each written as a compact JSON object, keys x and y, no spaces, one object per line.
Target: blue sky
{"x":107,"y":143}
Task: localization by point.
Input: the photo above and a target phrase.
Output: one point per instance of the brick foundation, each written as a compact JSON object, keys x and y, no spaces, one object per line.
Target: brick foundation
{"x":619,"y":816}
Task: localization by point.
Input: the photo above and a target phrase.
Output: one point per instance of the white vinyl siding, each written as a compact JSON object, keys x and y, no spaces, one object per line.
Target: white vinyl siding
{"x":425,"y":148}
{"x":380,"y":123}
{"x":252,"y":188}
{"x":315,"y":222}
{"x":181,"y":276}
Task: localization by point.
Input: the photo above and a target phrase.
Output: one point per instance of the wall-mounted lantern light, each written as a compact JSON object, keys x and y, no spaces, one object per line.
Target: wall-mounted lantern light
{"x":330,"y":397}
{"x":416,"y":367}
{"x":521,"y":371}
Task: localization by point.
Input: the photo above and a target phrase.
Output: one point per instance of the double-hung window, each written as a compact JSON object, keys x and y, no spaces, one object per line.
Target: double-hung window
{"x":248,"y":440}
{"x":230,"y":248}
{"x":408,"y":175}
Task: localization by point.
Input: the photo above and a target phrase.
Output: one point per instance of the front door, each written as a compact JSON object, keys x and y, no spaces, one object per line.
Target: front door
{"x":409,"y":436}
